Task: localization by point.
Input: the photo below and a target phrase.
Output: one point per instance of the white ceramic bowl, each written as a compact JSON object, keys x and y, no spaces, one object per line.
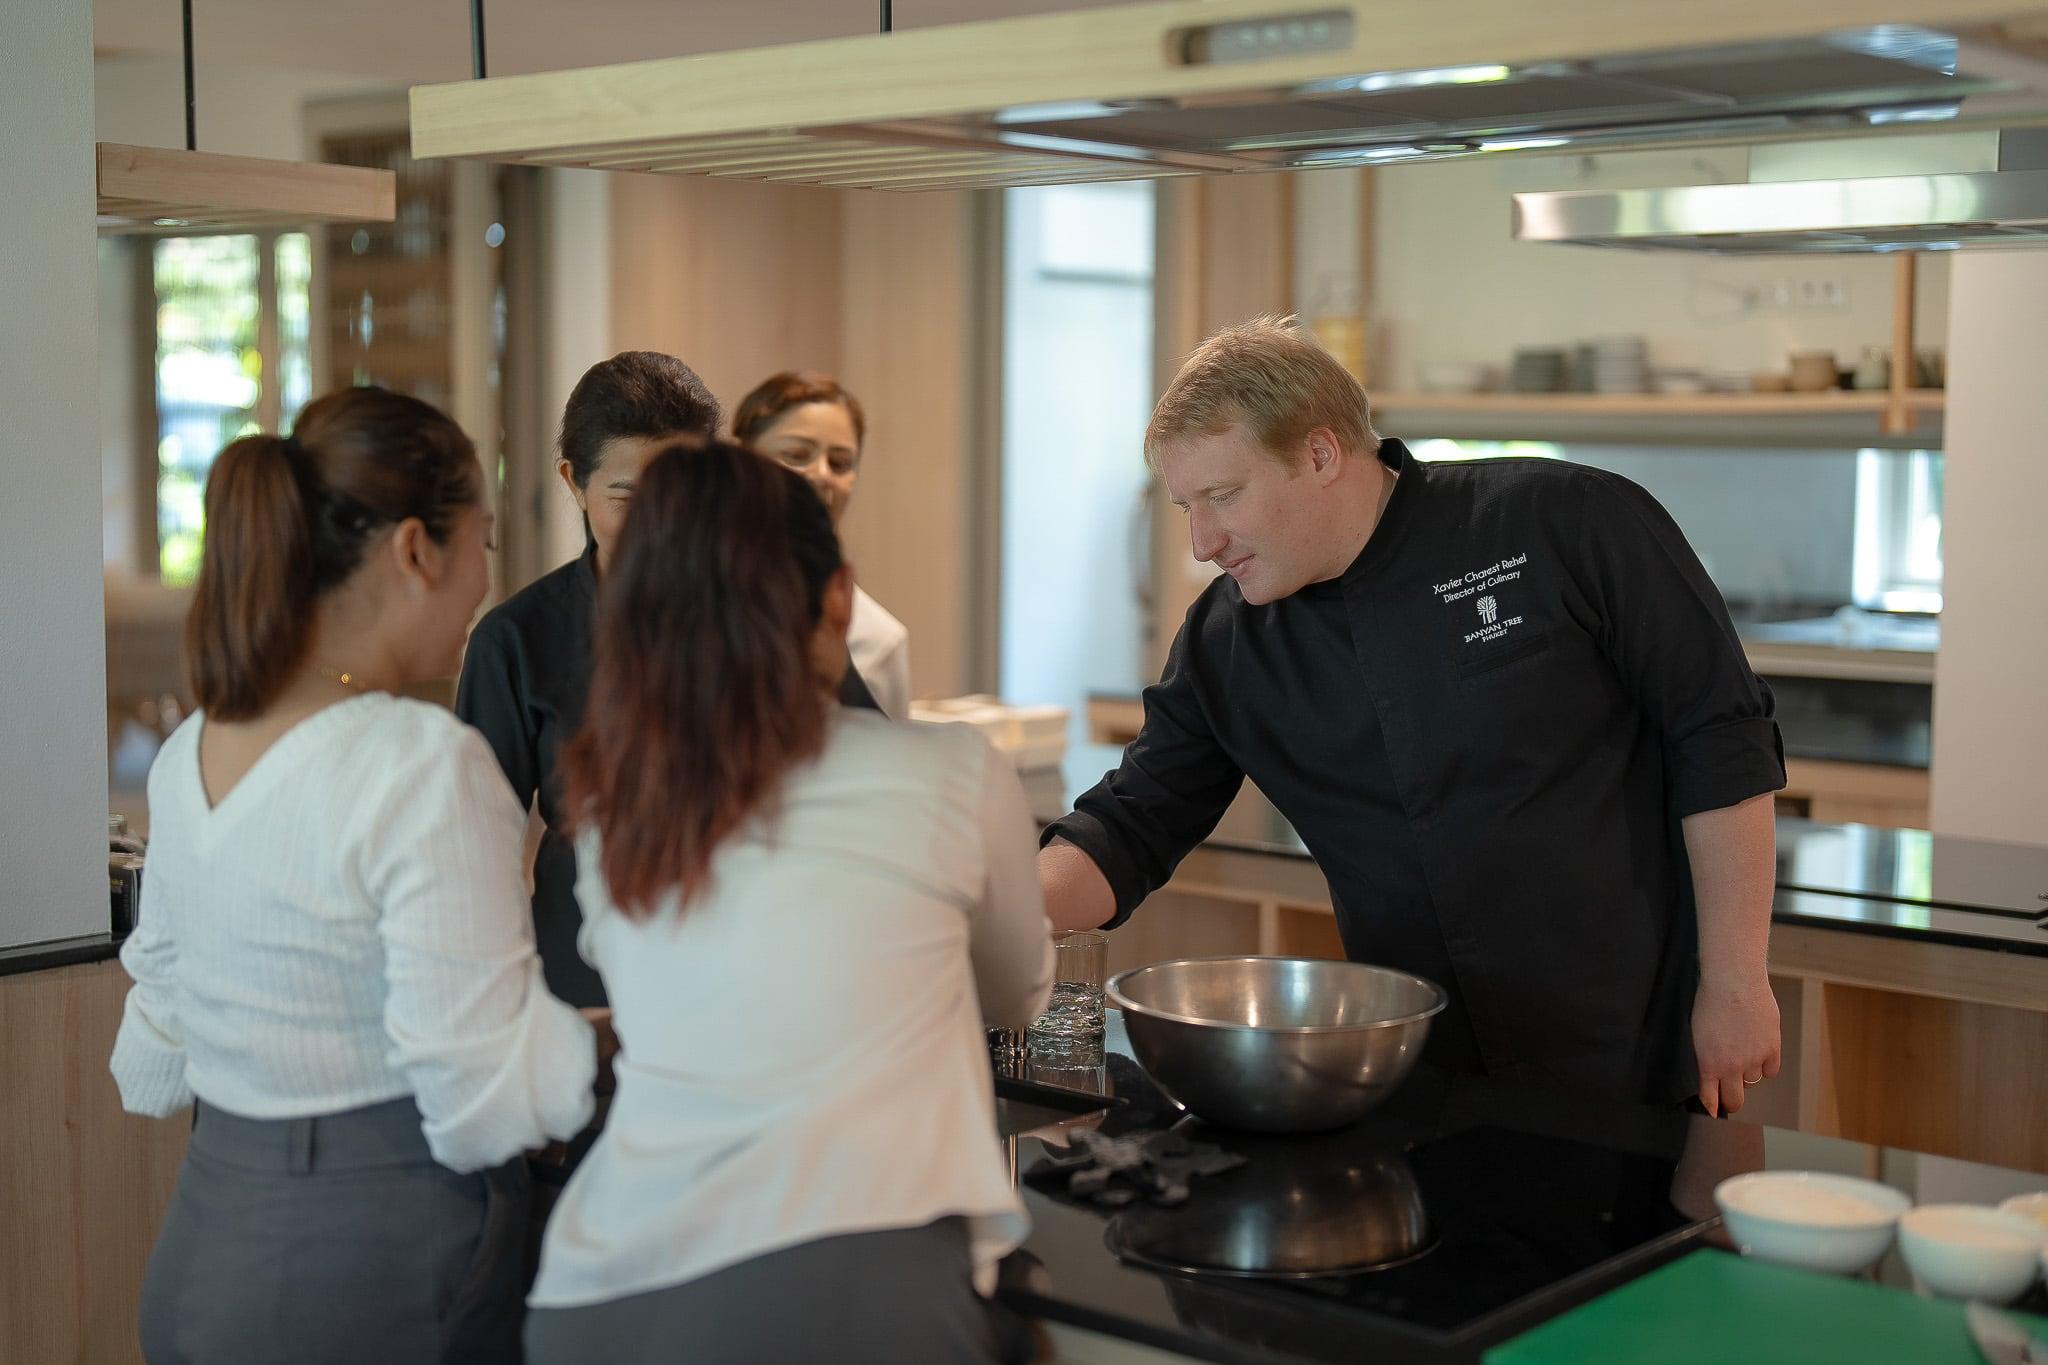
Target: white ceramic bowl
{"x":2034,"y":1206}
{"x":1962,"y":1251}
{"x":1811,"y":1219}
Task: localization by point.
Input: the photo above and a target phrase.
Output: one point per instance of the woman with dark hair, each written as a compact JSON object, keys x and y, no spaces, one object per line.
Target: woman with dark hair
{"x":528,"y":665}
{"x":527,"y":670}
{"x":811,"y":424}
{"x":333,"y":962}
{"x":804,"y":915}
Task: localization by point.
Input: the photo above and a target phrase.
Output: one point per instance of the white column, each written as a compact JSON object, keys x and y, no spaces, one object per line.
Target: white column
{"x":1991,"y":679}
{"x":53,"y":746}
{"x":579,"y":322}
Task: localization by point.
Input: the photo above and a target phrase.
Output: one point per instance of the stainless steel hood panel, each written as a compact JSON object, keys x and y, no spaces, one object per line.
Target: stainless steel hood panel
{"x":1204,"y":86}
{"x":1938,"y":210}
{"x":1841,"y":83}
{"x":1884,"y":213}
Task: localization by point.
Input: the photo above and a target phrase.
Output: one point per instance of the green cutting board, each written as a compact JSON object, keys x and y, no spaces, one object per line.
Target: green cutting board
{"x":1712,"y":1308}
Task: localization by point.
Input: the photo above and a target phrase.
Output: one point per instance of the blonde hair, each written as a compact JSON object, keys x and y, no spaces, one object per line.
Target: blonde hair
{"x":1270,"y":375}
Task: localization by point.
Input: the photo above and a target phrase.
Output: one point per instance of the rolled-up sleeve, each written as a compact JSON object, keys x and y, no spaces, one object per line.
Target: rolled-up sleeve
{"x":1664,"y":627}
{"x":497,"y":1064}
{"x":1173,"y":785}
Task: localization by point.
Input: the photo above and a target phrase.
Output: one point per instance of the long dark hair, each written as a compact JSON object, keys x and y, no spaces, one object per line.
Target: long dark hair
{"x":635,"y":393}
{"x":288,"y":518}
{"x":778,"y":393}
{"x":702,"y":698}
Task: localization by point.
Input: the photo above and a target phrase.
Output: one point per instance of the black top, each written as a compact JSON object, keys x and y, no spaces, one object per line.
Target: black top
{"x":1486,"y":732}
{"x":524,"y":680}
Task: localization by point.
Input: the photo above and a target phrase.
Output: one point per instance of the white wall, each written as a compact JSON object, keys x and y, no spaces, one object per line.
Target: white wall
{"x":121,"y":357}
{"x":53,"y":751}
{"x":578,"y":206}
{"x":242,"y":110}
{"x":1991,"y":679}
{"x":1453,"y":287}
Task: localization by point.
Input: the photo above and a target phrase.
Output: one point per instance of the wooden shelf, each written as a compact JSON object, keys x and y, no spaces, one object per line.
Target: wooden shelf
{"x":168,"y":189}
{"x":1830,"y":403}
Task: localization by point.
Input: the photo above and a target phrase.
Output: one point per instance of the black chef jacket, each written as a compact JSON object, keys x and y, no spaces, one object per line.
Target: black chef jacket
{"x":524,"y":680}
{"x":1486,"y":731}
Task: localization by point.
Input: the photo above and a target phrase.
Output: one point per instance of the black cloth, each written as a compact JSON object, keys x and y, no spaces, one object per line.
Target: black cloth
{"x":524,"y":681}
{"x":1486,"y":731}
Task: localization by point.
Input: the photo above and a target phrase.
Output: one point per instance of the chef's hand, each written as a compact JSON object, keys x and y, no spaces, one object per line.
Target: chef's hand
{"x":1735,"y":1036}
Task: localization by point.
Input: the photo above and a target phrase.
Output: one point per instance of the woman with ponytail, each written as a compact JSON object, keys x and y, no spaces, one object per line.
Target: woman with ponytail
{"x":333,"y":962}
{"x":804,"y":915}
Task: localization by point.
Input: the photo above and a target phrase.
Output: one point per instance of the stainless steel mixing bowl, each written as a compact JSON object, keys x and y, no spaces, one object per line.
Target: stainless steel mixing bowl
{"x":1275,"y":1044}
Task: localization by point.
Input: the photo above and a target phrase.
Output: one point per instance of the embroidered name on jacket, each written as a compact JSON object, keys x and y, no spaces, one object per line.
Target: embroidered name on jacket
{"x":1476,"y":588}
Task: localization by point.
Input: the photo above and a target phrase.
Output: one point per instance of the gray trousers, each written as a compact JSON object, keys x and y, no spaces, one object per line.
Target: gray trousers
{"x":870,"y":1298}
{"x":336,"y":1240}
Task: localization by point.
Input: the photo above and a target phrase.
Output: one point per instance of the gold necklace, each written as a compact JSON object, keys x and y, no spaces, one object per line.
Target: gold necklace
{"x":348,"y":680}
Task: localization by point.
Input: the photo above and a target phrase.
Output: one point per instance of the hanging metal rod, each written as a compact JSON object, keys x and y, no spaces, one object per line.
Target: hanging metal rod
{"x":888,"y":19}
{"x":476,"y":38}
{"x":191,"y":100}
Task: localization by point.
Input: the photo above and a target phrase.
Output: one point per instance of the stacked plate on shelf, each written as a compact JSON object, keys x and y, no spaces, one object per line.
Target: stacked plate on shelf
{"x":1617,"y":365}
{"x":1537,"y":370}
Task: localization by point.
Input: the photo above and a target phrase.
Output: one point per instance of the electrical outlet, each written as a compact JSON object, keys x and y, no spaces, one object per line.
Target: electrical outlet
{"x":1801,"y":295}
{"x":1822,"y":294}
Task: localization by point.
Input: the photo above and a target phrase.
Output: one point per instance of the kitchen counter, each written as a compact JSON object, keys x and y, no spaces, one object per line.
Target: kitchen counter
{"x":1531,"y":1203}
{"x":1911,"y":969}
{"x":1873,"y":646}
{"x":1857,"y":878}
{"x":63,"y":952}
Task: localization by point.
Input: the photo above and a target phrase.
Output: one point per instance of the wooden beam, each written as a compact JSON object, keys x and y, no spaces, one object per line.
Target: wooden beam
{"x":156,"y":189}
{"x":1898,"y":412}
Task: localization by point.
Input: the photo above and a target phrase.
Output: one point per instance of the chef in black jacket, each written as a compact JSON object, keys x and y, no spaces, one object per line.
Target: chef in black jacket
{"x":527,"y":668}
{"x":1503,"y":706}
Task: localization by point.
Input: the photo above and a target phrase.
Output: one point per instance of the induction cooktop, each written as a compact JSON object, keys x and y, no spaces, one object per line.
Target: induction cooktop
{"x":1464,"y":1236}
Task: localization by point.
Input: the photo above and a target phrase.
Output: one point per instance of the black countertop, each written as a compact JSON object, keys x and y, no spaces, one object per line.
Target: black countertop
{"x":1531,"y":1201}
{"x":1900,"y":883}
{"x":63,"y":952}
{"x":1903,"y":883}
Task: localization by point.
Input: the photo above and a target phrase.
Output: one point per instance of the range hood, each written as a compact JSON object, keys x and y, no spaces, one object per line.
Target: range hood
{"x":1219,"y":86}
{"x":1893,"y":194}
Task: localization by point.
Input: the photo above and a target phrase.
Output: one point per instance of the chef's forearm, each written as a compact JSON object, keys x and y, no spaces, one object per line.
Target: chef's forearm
{"x":1077,"y":895}
{"x":1733,"y":852}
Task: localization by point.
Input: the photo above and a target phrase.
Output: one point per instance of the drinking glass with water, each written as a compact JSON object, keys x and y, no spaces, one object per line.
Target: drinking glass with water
{"x":1073,"y":1018}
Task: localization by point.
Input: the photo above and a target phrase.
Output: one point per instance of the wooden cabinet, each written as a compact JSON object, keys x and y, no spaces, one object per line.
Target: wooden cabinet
{"x":1855,"y":793}
{"x":86,"y":1183}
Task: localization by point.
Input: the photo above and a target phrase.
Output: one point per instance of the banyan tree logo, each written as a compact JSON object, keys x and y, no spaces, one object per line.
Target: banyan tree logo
{"x":1488,"y":609}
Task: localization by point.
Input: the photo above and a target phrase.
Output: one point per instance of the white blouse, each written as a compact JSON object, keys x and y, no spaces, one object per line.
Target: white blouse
{"x":349,"y":926}
{"x":802,"y":1052}
{"x":881,"y":654}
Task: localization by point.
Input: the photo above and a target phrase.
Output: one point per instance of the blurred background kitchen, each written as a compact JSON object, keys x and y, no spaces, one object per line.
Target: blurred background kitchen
{"x":1007,"y":345}
{"x":1853,"y":443}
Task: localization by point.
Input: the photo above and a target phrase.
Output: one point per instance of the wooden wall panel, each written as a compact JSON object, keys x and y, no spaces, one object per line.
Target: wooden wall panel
{"x":739,"y":279}
{"x":742,"y":279}
{"x":85,"y":1183}
{"x":910,"y":347}
{"x":1226,"y":254}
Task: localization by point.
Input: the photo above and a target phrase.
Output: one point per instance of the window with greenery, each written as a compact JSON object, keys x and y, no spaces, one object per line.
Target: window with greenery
{"x":231,"y":326}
